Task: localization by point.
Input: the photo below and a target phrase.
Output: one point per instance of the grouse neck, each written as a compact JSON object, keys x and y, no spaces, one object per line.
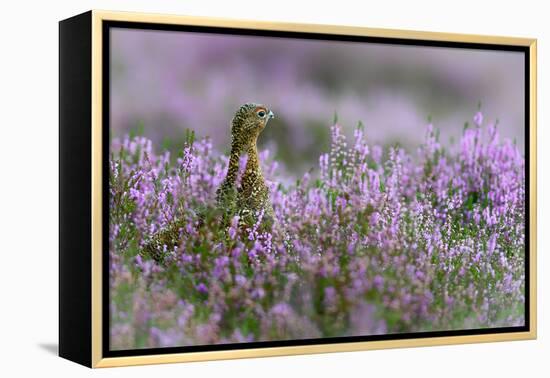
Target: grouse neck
{"x":233,"y":168}
{"x":253,"y":162}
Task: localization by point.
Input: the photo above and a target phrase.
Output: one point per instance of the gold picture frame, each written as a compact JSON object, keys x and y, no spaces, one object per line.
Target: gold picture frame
{"x":82,"y":340}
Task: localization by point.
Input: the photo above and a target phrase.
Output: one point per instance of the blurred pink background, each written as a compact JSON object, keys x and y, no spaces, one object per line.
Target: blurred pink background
{"x":164,"y":82}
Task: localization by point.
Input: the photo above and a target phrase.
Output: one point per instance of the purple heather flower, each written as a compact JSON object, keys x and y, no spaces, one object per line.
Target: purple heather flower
{"x":491,"y":244}
{"x":202,"y":288}
{"x":478,"y":119}
{"x":330,"y":300}
{"x":378,"y":282}
{"x":240,"y":280}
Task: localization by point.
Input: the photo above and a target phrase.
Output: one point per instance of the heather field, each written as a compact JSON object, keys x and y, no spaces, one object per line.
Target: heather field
{"x":380,"y":239}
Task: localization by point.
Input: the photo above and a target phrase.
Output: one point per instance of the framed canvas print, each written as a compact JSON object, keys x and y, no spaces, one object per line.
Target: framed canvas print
{"x":235,"y":189}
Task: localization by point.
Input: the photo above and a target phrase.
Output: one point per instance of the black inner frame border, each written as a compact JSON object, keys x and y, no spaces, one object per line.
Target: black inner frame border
{"x":107,"y":25}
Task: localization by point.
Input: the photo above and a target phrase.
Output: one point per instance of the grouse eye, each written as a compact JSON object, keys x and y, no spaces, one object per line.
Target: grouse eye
{"x":261,"y":114}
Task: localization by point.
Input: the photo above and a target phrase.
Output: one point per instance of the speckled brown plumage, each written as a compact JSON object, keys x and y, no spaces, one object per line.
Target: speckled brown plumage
{"x":167,"y":238}
{"x":252,"y":196}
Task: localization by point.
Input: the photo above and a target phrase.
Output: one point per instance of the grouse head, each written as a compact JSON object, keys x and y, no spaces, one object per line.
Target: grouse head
{"x":247,"y":124}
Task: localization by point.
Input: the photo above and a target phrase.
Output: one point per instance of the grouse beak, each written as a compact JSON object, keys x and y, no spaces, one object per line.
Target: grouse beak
{"x":270,"y":115}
